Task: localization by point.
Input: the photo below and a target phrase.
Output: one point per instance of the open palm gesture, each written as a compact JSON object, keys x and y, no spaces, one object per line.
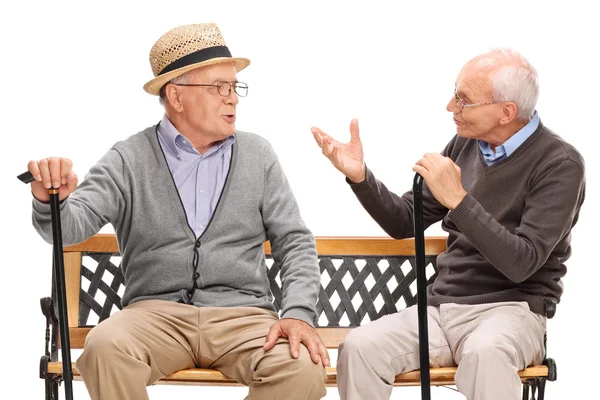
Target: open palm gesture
{"x":346,"y":157}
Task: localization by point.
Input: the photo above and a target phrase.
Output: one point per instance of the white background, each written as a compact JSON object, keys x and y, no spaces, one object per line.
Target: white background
{"x":72,"y":77}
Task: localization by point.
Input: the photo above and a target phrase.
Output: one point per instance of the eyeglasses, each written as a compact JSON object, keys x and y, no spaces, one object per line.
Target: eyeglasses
{"x":460,"y":103}
{"x":224,"y":88}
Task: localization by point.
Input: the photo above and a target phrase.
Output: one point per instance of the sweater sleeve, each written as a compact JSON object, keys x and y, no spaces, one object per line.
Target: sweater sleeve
{"x":551,"y":209}
{"x":394,"y":213}
{"x":292,"y":244}
{"x":94,"y":203}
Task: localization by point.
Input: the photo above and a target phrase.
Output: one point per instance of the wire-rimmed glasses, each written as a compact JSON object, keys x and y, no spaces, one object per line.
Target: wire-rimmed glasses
{"x":224,"y":88}
{"x":460,"y":103}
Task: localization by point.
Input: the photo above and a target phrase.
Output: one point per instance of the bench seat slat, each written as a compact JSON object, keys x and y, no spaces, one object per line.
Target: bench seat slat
{"x":203,"y":376}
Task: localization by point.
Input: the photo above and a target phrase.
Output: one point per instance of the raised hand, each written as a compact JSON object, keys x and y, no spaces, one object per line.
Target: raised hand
{"x":346,"y":157}
{"x":53,"y":172}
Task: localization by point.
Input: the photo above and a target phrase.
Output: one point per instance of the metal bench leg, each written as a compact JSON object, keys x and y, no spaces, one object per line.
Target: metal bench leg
{"x":534,"y":386}
{"x":525,"y":390}
{"x":541,"y":388}
{"x":51,"y":381}
{"x":52,"y":384}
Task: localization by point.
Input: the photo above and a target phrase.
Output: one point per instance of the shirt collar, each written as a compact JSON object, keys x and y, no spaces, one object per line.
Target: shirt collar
{"x":169,"y":134}
{"x":174,"y":139}
{"x":508,"y":147}
{"x":521,"y":136}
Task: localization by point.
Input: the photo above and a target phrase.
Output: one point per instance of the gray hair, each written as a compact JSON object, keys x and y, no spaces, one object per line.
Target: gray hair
{"x":513,"y":79}
{"x":162,"y":94}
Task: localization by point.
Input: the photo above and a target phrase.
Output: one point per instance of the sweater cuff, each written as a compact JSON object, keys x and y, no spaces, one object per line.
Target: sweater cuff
{"x":301,"y":314}
{"x":462,"y":210}
{"x":40,"y":207}
{"x":364,"y":185}
{"x":44,"y":208}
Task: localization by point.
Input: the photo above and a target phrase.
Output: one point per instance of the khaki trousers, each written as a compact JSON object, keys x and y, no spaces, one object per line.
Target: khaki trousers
{"x":488,"y":342}
{"x":147,"y":340}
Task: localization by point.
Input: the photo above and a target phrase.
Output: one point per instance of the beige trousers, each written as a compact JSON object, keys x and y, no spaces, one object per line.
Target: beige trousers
{"x":488,"y":342}
{"x":147,"y":340}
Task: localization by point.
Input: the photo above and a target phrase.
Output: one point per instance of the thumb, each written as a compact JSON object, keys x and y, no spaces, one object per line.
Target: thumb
{"x":72,"y":180}
{"x":354,"y":136}
{"x":69,"y":187}
{"x":272,"y":337}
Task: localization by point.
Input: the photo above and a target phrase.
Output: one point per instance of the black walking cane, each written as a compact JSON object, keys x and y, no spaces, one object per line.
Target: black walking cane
{"x":421,"y":287}
{"x":59,"y":273}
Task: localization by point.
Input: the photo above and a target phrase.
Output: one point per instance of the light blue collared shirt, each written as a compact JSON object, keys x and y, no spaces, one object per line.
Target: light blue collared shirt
{"x":507,"y":148}
{"x":199,"y":177}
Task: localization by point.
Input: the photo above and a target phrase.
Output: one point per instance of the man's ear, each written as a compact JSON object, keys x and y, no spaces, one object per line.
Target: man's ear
{"x":173,"y":96}
{"x":509,"y":113}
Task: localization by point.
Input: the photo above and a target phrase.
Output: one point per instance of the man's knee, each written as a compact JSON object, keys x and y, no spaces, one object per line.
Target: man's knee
{"x":311,"y":371}
{"x":304,"y":369}
{"x":357,"y":345}
{"x":310,"y":377}
{"x":102,"y":345}
{"x":489,"y":355}
{"x":279,"y":373}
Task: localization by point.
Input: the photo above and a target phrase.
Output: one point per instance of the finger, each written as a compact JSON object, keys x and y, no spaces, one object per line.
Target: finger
{"x":328,"y":146}
{"x":66,"y":166}
{"x":45,"y":173}
{"x":54,"y":167}
{"x":294,"y":345}
{"x":335,"y":156}
{"x":324,"y":137}
{"x":32,"y":166}
{"x":317,"y":136}
{"x":71,"y":183}
{"x":427,"y":162}
{"x":314,"y":130}
{"x":430,"y":157}
{"x":71,"y":177}
{"x":437,"y":159}
{"x":317,"y":132}
{"x":272,"y":337}
{"x":313,"y":349}
{"x":354,"y":136}
{"x":325,"y":361}
{"x":421,"y":171}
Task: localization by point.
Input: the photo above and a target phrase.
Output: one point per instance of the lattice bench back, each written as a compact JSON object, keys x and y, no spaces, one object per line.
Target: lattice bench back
{"x":362,"y":279}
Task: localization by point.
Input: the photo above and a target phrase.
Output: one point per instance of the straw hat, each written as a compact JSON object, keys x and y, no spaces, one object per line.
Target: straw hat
{"x":186,"y":48}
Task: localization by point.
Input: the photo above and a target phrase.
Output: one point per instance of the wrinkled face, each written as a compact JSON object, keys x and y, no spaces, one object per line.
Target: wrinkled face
{"x":204,"y":110}
{"x":475,"y":120}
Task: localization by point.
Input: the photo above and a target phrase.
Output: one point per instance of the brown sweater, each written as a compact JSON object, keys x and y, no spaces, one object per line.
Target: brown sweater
{"x":509,"y":238}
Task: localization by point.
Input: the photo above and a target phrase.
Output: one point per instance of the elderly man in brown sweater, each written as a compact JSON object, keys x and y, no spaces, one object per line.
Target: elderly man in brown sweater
{"x":508,"y":191}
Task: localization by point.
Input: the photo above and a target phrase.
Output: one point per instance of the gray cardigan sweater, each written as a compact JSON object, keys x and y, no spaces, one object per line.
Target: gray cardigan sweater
{"x":510,"y":236}
{"x":131,"y":188}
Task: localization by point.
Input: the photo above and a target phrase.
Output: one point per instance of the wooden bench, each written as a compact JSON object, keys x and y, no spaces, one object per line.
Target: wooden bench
{"x":363,"y":278}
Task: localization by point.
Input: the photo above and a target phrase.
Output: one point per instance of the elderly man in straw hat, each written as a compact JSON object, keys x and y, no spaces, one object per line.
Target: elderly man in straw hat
{"x":508,"y":192}
{"x":192,"y":201}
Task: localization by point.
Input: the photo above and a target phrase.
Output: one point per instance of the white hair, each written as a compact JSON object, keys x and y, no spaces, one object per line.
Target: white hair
{"x":162,"y":95}
{"x":513,"y":79}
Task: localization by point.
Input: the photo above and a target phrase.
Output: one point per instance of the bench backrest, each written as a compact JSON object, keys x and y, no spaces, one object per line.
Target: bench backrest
{"x":362,"y":279}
